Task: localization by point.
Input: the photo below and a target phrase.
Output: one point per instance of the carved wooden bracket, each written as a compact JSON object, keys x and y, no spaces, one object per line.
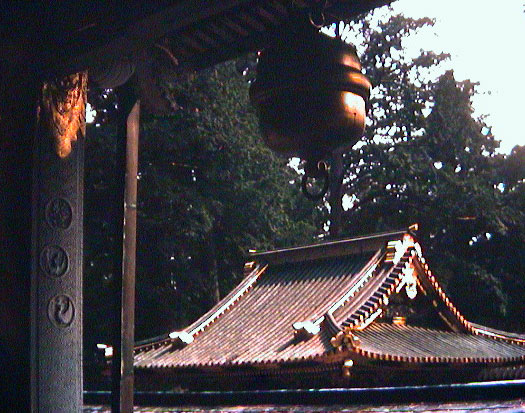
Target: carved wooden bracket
{"x":153,"y":66}
{"x":63,"y":110}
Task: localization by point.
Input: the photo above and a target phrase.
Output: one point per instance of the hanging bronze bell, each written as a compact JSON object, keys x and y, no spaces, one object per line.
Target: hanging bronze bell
{"x":311,"y":96}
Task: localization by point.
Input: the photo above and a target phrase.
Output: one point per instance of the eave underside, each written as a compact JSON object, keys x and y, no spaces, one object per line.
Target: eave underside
{"x":328,"y":374}
{"x":199,"y":33}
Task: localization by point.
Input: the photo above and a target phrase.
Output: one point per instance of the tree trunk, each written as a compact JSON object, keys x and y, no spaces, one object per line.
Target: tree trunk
{"x":213,"y":267}
{"x":335,"y":199}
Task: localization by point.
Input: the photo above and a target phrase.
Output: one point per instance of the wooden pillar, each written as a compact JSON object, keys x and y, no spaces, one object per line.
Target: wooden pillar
{"x":56,"y":285}
{"x":41,"y":233}
{"x":125,"y":221}
{"x":129,"y":264}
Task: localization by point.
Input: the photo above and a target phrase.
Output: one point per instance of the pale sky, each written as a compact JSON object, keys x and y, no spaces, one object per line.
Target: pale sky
{"x":486,"y":41}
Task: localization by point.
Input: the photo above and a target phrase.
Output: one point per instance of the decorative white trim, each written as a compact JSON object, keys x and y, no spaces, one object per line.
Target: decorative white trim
{"x":355,"y":288}
{"x":306,"y":329}
{"x":181,"y":337}
{"x":396,"y":249}
{"x":408,"y":280}
{"x":369,"y":320}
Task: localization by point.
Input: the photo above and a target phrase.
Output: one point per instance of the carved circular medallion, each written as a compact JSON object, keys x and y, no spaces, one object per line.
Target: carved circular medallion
{"x":59,"y":213}
{"x":54,"y":261}
{"x":61,"y":311}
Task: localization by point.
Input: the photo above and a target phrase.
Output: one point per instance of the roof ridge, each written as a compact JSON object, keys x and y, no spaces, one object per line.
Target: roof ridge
{"x":327,"y":319}
{"x":402,"y":254}
{"x":234,"y":296}
{"x":518,"y":336}
{"x":389,"y":284}
{"x":396,"y":252}
{"x":497,"y":334}
{"x":472,"y":328}
{"x":360,"y":244}
{"x":411,"y":256}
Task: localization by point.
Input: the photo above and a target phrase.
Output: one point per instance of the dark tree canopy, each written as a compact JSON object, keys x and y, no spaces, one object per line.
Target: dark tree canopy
{"x":426,"y":159}
{"x":209,"y":190}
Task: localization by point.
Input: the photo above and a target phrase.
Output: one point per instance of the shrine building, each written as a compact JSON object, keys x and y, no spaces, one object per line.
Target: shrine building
{"x":365,"y":311}
{"x":330,"y":314}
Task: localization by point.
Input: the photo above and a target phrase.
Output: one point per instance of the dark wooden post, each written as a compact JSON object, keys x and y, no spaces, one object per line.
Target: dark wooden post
{"x":56,"y":309}
{"x":128,"y":281}
{"x":125,"y":200}
{"x":41,"y":221}
{"x":18,"y":103}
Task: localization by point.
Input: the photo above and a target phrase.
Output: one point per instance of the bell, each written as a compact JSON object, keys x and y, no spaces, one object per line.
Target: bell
{"x":311,"y":97}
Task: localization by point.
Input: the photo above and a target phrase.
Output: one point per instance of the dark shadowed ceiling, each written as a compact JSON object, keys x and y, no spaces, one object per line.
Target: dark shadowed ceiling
{"x":69,"y":36}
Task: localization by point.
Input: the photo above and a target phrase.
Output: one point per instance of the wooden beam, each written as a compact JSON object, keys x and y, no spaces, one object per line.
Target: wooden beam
{"x":57,"y":257}
{"x":140,"y":34}
{"x":124,"y":230}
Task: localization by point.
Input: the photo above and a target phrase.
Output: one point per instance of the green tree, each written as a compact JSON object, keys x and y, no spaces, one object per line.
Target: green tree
{"x":207,"y":170}
{"x":503,"y":253}
{"x":209,"y":189}
{"x":400,"y":97}
{"x":401,"y":85}
{"x":439,"y":169}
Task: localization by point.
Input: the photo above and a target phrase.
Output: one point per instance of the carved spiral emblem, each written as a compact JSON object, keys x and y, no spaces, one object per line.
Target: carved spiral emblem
{"x":59,"y":213}
{"x":54,"y":261}
{"x":61,"y":311}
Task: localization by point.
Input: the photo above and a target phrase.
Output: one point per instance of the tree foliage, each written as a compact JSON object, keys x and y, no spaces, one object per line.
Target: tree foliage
{"x":209,"y":189}
{"x":426,"y":159}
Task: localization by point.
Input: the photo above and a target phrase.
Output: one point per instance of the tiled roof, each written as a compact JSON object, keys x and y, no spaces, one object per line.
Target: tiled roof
{"x":259,"y":327}
{"x":414,"y":344}
{"x":322,"y":301}
{"x":487,"y":331}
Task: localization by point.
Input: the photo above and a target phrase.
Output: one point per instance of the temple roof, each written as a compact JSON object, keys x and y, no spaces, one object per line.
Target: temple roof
{"x":328,"y":302}
{"x":415,"y":344}
{"x":257,"y":323}
{"x":77,"y":35}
